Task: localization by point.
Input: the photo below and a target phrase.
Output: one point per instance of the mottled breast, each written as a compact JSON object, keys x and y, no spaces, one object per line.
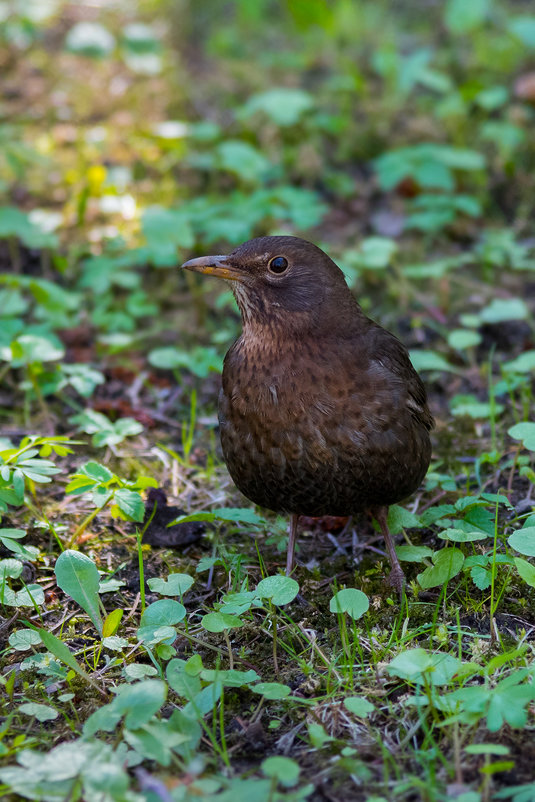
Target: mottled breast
{"x":317,"y":430}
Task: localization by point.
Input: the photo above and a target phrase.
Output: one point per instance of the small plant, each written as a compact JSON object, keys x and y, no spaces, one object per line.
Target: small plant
{"x":106,"y":487}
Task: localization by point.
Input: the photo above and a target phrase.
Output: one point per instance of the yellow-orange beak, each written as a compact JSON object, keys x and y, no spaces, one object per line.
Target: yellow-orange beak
{"x":214,"y":266}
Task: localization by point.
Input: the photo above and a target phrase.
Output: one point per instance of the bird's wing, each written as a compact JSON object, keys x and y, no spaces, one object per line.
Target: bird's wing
{"x":387,"y":351}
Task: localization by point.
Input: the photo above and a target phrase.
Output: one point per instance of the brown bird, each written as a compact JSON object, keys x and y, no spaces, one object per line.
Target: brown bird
{"x":321,"y":411}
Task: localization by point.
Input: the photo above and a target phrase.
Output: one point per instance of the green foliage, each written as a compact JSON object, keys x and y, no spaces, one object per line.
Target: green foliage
{"x":351,"y":601}
{"x":106,"y":432}
{"x":105,"y":486}
{"x":78,"y":577}
{"x":400,"y":140}
{"x":25,"y":465}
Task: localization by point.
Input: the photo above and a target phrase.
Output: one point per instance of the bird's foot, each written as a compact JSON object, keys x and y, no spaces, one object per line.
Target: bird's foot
{"x":396,"y":579}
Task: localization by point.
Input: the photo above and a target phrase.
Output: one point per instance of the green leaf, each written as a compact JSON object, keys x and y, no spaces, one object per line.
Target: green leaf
{"x":525,"y":363}
{"x":90,"y":39}
{"x":524,"y":29}
{"x":523,"y":541}
{"x":502,"y":309}
{"x":351,"y":601}
{"x":279,"y":589}
{"x":78,"y":577}
{"x":166,"y":230}
{"x":242,"y":159}
{"x":526,"y":571}
{"x":487,"y":749}
{"x":130,"y":503}
{"x":430,"y":360}
{"x":462,"y":17}
{"x":481,"y":576}
{"x":418,"y":665}
{"x":231,"y":514}
{"x":413,"y":554}
{"x":38,"y":711}
{"x":29,"y":596}
{"x":358,"y":705}
{"x":283,"y":769}
{"x":460,"y":339}
{"x":174,"y":585}
{"x":63,"y":653}
{"x":140,"y":701}
{"x":183,"y":683}
{"x":164,"y":612}
{"x":375,"y":253}
{"x":447,"y":564}
{"x":399,"y":518}
{"x":24,"y":639}
{"x":219,"y":622}
{"x":231,"y":678}
{"x":461,"y":536}
{"x":31,"y":348}
{"x":111,"y":623}
{"x":284,"y":106}
{"x":524,"y":432}
{"x":271,"y":690}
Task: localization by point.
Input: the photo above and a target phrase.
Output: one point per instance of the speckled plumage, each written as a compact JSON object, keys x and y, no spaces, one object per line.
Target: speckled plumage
{"x":321,"y":411}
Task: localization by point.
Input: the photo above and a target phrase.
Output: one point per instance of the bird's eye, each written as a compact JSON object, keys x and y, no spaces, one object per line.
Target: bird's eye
{"x":278,"y":265}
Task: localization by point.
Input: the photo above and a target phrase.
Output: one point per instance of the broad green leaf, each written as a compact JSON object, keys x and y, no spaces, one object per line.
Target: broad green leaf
{"x":463,"y":338}
{"x":230,"y":678}
{"x":526,"y":570}
{"x":285,"y":770}
{"x":351,"y":601}
{"x":242,"y":159}
{"x":447,"y":564}
{"x":219,"y":622}
{"x":164,"y":612}
{"x":413,"y":664}
{"x":523,"y":541}
{"x":399,"y":518}
{"x":233,"y":515}
{"x":279,"y":589}
{"x":78,"y":577}
{"x":525,"y":363}
{"x":271,"y":690}
{"x":90,"y":39}
{"x":130,"y":503}
{"x":39,"y":711}
{"x":140,"y":701}
{"x":24,"y":639}
{"x":524,"y":29}
{"x":462,"y":17}
{"x":358,"y":705}
{"x":183,"y":683}
{"x":174,"y":585}
{"x":413,"y":554}
{"x":430,"y":360}
{"x":461,"y":536}
{"x":524,"y":432}
{"x":284,"y":106}
{"x":502,"y":309}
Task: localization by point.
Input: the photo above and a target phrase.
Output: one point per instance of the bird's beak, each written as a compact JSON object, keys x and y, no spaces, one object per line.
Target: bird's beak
{"x":214,"y":266}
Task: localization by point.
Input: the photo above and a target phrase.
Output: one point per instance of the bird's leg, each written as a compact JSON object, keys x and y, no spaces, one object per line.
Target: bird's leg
{"x":397,"y":577}
{"x":291,"y":544}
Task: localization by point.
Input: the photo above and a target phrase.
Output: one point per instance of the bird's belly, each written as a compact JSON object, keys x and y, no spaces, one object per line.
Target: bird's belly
{"x":318,"y":463}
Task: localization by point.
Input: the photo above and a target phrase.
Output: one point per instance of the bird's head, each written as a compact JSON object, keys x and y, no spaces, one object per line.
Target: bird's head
{"x":281,"y":278}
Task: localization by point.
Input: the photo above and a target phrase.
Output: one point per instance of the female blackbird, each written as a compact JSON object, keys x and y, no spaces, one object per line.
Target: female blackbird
{"x":321,"y":411}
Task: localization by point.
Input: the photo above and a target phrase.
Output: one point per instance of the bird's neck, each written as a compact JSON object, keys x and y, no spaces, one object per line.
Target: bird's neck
{"x":264,"y":321}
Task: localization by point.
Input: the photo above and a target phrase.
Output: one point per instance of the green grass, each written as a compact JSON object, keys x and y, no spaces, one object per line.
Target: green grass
{"x":400,"y":140}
